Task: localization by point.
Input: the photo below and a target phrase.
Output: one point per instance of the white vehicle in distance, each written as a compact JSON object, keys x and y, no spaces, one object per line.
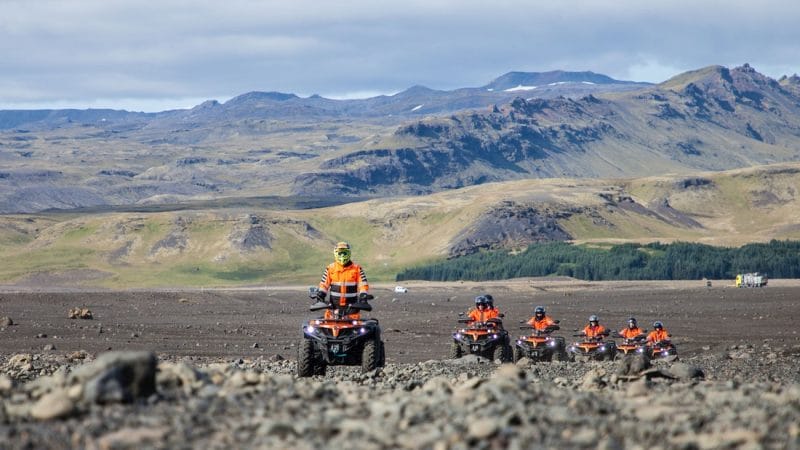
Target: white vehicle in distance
{"x":400,"y":289}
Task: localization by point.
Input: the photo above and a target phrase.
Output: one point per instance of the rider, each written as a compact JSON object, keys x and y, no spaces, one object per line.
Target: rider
{"x":632,"y":331}
{"x":484,"y":309}
{"x":344,"y":280}
{"x":594,"y":330}
{"x":542,"y":322}
{"x":658,"y":335}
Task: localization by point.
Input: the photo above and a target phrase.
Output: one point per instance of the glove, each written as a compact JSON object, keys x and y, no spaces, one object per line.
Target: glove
{"x":363,"y":296}
{"x":321,"y":296}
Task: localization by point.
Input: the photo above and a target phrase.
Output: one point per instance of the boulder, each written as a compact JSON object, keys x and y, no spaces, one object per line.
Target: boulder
{"x":117,"y":377}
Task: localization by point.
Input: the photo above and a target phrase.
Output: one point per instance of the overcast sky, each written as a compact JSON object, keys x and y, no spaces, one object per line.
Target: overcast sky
{"x":155,"y":55}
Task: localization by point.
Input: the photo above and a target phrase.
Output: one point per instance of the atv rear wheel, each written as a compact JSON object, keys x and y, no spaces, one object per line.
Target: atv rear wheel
{"x":305,"y":359}
{"x":370,"y":356}
{"x":382,"y":361}
{"x":455,"y":351}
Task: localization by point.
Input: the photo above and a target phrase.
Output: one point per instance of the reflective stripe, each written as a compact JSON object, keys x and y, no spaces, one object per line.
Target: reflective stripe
{"x":348,"y":295}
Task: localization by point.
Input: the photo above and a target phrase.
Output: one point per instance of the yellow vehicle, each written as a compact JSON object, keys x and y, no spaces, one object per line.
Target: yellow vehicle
{"x":751,"y":280}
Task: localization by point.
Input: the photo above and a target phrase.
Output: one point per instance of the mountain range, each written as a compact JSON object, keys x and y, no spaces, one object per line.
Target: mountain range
{"x":520,"y":125}
{"x":252,"y":188}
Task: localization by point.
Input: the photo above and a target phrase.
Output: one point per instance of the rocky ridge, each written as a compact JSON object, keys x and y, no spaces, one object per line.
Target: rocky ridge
{"x":744,"y":397}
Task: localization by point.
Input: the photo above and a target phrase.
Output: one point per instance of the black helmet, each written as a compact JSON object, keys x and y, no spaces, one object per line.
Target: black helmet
{"x":538,"y":310}
{"x":481,"y":300}
{"x":658,"y":325}
{"x":593,"y":318}
{"x":632,"y":321}
{"x":489,"y":299}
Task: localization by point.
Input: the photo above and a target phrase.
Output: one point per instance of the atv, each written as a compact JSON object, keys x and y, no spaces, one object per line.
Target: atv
{"x":339,"y":340}
{"x":591,"y":348}
{"x":630,"y":346}
{"x":540,"y":346}
{"x":488,"y":339}
{"x":663,"y":350}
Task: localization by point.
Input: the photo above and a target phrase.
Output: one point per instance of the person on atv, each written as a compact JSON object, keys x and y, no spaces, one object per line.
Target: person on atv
{"x":484,"y":309}
{"x":632,"y":331}
{"x":594,"y":330}
{"x":658,"y":335}
{"x":542,"y":322}
{"x":344,"y":280}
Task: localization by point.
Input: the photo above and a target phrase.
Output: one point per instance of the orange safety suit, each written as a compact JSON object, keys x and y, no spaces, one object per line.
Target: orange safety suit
{"x":542,"y":324}
{"x":630,"y":333}
{"x":657,"y":336}
{"x":476,"y":315}
{"x":344,"y":283}
{"x":596,"y":332}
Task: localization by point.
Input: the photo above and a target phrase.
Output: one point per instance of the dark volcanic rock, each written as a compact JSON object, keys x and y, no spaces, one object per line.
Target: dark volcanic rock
{"x":509,"y":225}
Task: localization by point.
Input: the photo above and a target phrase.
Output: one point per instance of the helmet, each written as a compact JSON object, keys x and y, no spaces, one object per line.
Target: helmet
{"x":538,"y":310}
{"x":489,"y":299}
{"x":342,"y":252}
{"x":593,"y":318}
{"x":481,"y":300}
{"x":632,"y":322}
{"x":657,"y":324}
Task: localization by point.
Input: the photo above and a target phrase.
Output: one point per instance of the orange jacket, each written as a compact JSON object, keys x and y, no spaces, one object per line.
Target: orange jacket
{"x":343,"y":283}
{"x":541,"y":325}
{"x":657,"y":336}
{"x":594,"y":332}
{"x":477,"y":315}
{"x":630,"y":333}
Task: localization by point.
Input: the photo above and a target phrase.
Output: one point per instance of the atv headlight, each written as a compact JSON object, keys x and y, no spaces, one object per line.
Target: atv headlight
{"x":640,"y":350}
{"x":362,"y":330}
{"x":551,"y":344}
{"x":457,"y":336}
{"x":494,"y":336}
{"x":355,"y":322}
{"x":602,"y":348}
{"x":310,"y":329}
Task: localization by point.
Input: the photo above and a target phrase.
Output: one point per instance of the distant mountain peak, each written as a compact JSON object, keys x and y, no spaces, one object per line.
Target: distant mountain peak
{"x":257,"y":96}
{"x":530,"y":80}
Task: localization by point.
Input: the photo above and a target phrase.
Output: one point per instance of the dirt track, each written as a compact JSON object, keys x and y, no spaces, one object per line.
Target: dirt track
{"x":225,"y":324}
{"x":735,"y":386}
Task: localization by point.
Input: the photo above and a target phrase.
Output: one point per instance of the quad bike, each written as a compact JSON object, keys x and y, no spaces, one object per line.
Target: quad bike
{"x":630,"y":346}
{"x":339,"y":340}
{"x":488,"y":339}
{"x":591,"y":348}
{"x":663,"y":350}
{"x":540,"y":346}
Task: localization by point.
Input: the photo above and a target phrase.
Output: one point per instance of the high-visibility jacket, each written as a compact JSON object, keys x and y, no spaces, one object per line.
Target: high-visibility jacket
{"x":343,"y":282}
{"x":596,"y":332}
{"x":477,"y":315}
{"x":541,"y":325}
{"x":657,"y":336}
{"x":630,"y":333}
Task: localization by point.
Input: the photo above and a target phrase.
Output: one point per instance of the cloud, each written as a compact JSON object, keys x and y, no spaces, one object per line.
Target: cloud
{"x":83,"y":51}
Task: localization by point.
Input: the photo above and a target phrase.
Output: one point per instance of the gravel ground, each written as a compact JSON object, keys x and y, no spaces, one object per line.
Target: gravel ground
{"x":215,"y":369}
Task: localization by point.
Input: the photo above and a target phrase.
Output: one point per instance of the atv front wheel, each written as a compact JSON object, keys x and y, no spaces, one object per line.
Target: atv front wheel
{"x":305,"y":359}
{"x":370,"y":356}
{"x":501,"y":352}
{"x":516,"y":354}
{"x":455,"y":351}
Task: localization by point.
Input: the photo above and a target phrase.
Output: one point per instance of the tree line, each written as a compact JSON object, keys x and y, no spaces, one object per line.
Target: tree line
{"x":655,"y":261}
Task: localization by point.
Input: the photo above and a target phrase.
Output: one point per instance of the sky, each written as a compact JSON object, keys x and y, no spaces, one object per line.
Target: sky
{"x":152,"y":56}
